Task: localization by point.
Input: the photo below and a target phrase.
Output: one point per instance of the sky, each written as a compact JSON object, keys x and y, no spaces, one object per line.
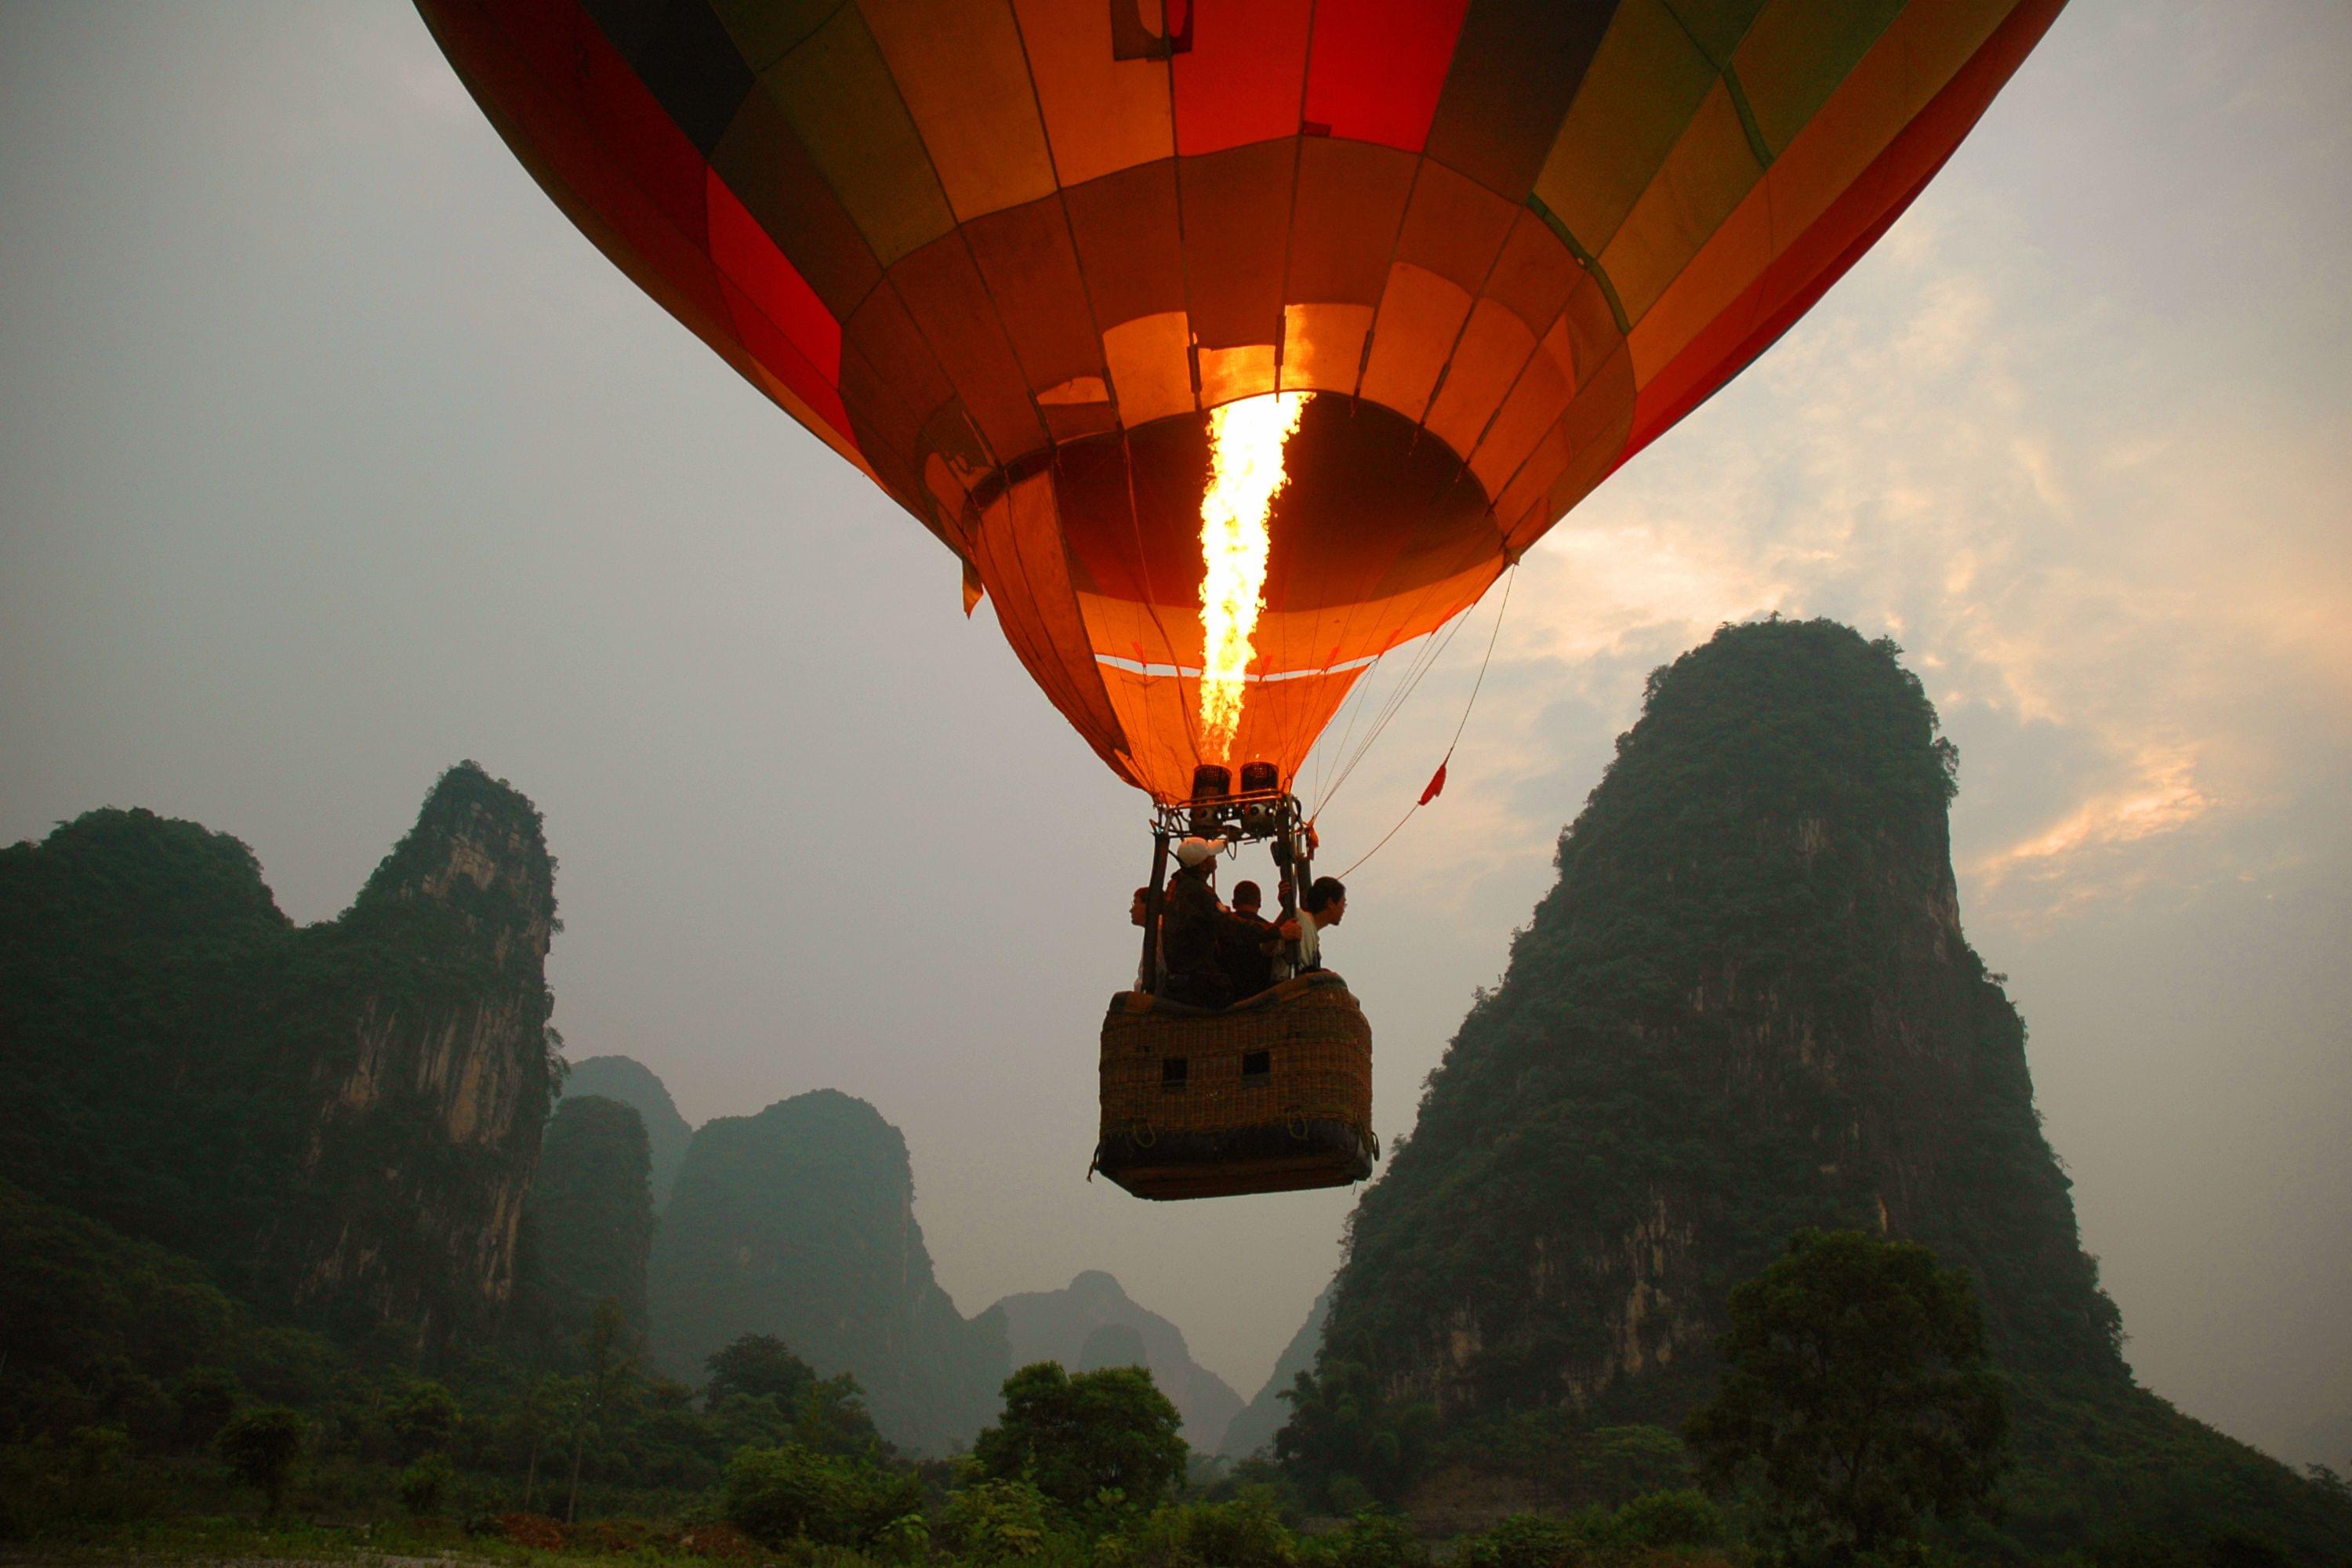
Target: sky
{"x":331,"y":454}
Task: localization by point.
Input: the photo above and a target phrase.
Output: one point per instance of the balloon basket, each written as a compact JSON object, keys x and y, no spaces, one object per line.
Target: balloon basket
{"x":1272,"y":1095}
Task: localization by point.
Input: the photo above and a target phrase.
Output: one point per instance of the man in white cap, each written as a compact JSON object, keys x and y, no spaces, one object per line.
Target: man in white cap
{"x":1190,"y":924}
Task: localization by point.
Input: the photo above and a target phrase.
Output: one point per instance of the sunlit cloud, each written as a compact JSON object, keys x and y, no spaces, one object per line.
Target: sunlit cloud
{"x":2164,"y":798}
{"x":1601,"y":590}
{"x":2119,"y":587}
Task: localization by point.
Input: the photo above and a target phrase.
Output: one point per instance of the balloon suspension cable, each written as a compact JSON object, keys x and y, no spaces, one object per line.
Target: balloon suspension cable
{"x":1437,"y":780}
{"x":1424,"y":659}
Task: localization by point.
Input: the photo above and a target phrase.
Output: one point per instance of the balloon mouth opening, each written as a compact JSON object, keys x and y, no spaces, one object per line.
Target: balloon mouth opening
{"x":1373,"y":509}
{"x":1093,"y":555}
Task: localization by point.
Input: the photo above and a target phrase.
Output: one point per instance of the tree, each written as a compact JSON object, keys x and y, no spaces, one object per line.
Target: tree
{"x":423,"y":1418}
{"x":830,"y":1416}
{"x":1079,"y":1439}
{"x":260,"y":1444}
{"x":995,"y":1522}
{"x":423,"y":1484}
{"x":1346,"y":1438}
{"x":611,"y":1362}
{"x":532,"y":1421}
{"x":757,"y":1366}
{"x":1857,"y":1395}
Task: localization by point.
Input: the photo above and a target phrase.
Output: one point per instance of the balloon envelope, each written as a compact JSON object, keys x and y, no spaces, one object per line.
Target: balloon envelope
{"x":1004,"y":256}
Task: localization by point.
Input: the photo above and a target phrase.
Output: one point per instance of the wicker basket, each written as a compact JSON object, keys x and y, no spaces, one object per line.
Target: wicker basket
{"x":1272,"y":1095}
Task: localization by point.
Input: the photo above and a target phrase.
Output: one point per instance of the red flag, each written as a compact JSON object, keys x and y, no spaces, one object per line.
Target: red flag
{"x":1436,"y":781}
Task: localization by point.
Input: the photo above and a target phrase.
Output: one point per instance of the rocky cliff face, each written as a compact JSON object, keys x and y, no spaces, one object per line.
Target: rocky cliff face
{"x":339,"y":1119}
{"x":427,"y":1115}
{"x":799,"y":1222}
{"x":1747,"y":1006}
{"x":1093,"y":1322}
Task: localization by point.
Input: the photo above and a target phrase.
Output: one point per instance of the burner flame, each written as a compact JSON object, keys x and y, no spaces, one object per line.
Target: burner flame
{"x":1245,"y":443}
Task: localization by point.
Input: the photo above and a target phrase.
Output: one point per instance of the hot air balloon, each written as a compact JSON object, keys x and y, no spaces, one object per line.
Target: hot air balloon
{"x":1229,"y":344}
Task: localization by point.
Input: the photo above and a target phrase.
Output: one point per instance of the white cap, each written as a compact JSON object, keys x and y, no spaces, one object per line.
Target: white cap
{"x":1193,"y":851}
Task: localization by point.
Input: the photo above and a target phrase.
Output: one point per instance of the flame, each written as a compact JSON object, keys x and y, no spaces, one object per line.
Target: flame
{"x":1245,"y":442}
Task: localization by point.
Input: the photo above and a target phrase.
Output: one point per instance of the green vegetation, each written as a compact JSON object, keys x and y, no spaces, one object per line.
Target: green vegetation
{"x":1103,"y":1441}
{"x":1092,"y":1322}
{"x":587,"y":1228}
{"x":1746,"y":1008}
{"x":758,"y":1366}
{"x":1856,"y":1398}
{"x":260,"y":1446}
{"x":190,"y":1069}
{"x":263,"y":1265}
{"x":777,"y":1495}
{"x":1352,"y":1441}
{"x":798,"y":1223}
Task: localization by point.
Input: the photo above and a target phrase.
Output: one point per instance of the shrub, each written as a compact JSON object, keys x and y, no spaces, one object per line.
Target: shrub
{"x":906,"y":1539}
{"x":261,"y":1445}
{"x":535,"y":1531}
{"x":776,"y":1495}
{"x":1374,"y":1538}
{"x":100,"y":1453}
{"x":2238,"y":1548}
{"x":423,"y":1484}
{"x":1684,"y":1518}
{"x":995,"y":1522}
{"x":1244,"y":1532}
{"x":1526,"y":1541}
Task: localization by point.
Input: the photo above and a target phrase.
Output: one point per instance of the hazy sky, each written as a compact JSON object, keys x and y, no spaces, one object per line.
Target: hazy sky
{"x":329,"y":453}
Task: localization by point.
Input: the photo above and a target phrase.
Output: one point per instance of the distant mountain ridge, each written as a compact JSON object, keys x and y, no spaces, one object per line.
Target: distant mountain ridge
{"x":635,"y":1085}
{"x":1079,"y":1324}
{"x":799,"y":1222}
{"x":1253,"y":1430}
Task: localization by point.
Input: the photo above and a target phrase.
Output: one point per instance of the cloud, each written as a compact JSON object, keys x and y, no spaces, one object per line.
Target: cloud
{"x":2125,"y":583}
{"x":2077,"y":858}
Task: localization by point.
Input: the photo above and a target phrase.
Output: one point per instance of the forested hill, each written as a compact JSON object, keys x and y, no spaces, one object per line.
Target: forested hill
{"x":339,"y":1121}
{"x":1747,"y":1006}
{"x":799,"y":1222}
{"x":635,"y":1084}
{"x":1092,"y":1322}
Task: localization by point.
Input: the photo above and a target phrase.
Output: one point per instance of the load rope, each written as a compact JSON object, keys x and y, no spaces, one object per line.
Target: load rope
{"x":1436,"y":781}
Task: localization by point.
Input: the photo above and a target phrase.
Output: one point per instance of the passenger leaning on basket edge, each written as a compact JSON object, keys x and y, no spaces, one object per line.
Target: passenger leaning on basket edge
{"x":1324,"y":904}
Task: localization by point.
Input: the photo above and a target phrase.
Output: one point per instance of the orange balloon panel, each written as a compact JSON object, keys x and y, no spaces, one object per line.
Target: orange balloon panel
{"x":1006,"y":256}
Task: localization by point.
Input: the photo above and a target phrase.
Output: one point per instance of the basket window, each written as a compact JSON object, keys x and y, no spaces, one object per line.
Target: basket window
{"x":1257,"y":1067}
{"x":1173,"y":1073}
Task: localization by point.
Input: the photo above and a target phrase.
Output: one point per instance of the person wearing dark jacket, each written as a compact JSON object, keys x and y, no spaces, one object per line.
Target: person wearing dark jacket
{"x":1247,"y":944}
{"x":1192,"y":926}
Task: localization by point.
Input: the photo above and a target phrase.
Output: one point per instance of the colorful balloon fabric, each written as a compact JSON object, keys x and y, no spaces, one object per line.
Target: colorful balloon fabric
{"x":1006,"y":255}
